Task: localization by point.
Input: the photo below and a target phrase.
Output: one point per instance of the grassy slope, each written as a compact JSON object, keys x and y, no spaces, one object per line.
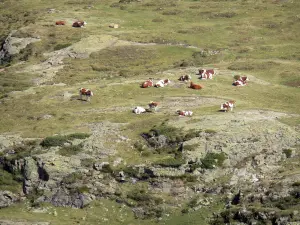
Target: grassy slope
{"x":258,"y":38}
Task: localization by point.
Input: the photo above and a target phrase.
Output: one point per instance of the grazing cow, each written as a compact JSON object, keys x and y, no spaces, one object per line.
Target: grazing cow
{"x":195,"y":86}
{"x":139,"y":110}
{"x":60,"y":22}
{"x":227,"y":105}
{"x":206,"y":74}
{"x":147,"y":83}
{"x":184,"y":113}
{"x":79,"y":24}
{"x":87,"y":92}
{"x":241,"y":81}
{"x":153,"y":106}
{"x":185,"y":78}
{"x":162,"y":83}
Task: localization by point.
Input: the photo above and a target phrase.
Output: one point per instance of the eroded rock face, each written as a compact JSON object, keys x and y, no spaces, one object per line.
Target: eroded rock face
{"x":7,"y":198}
{"x":13,"y":45}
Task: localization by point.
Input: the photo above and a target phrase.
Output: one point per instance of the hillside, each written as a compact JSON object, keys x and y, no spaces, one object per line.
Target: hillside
{"x":67,"y":160}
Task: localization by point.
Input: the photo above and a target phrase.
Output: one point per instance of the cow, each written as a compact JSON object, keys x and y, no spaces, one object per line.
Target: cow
{"x":147,"y":83}
{"x":185,"y":78}
{"x":86,"y":92}
{"x":184,"y":113}
{"x":241,"y":81}
{"x":195,"y":86}
{"x":153,"y":106}
{"x":227,"y":105}
{"x":162,"y":83}
{"x":139,"y":110}
{"x":206,"y":74}
{"x":60,"y":22}
{"x":79,"y":24}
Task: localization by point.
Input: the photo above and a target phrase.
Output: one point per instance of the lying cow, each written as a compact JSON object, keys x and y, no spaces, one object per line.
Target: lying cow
{"x":147,"y":83}
{"x":139,"y":110}
{"x":162,"y":83}
{"x":195,"y":86}
{"x":153,"y":106}
{"x":184,"y":113}
{"x":206,"y":74}
{"x":86,"y":92}
{"x":185,"y":78}
{"x":241,"y":81}
{"x":60,"y":22}
{"x":79,"y":24}
{"x":227,"y":105}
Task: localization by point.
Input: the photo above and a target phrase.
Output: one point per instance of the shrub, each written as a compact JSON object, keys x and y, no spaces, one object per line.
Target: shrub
{"x":170,"y":162}
{"x":210,"y":131}
{"x":54,"y":141}
{"x":211,"y":160}
{"x":59,"y":140}
{"x":131,"y":171}
{"x":288,"y":152}
{"x":70,"y":150}
{"x":78,"y":136}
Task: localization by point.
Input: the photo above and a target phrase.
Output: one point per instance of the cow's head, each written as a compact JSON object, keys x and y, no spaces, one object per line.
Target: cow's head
{"x":167,"y":81}
{"x":201,"y":71}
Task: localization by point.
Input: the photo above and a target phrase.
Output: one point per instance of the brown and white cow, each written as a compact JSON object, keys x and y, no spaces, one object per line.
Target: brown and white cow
{"x":79,"y":24}
{"x":184,"y":113}
{"x":153,"y":106}
{"x":185,"y":78}
{"x":86,"y":92}
{"x":60,"y":22}
{"x":195,"y":86}
{"x":227,"y":105}
{"x":147,"y":83}
{"x":162,"y":83}
{"x":206,"y":74}
{"x":241,"y":81}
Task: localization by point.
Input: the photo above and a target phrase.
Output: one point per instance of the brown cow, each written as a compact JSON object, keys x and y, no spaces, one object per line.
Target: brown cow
{"x":147,"y":83}
{"x":60,"y":22}
{"x":195,"y":86}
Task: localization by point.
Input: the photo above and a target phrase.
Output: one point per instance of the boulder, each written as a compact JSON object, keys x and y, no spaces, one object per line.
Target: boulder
{"x":7,"y":198}
{"x":13,"y":45}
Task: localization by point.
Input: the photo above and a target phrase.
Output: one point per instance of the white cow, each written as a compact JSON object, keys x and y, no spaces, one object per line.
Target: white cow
{"x":139,"y":110}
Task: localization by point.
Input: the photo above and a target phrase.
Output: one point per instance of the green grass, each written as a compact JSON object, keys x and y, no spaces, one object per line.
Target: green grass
{"x":255,"y":38}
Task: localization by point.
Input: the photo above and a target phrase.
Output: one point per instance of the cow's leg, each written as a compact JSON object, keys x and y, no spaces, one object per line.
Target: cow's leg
{"x":80,"y":96}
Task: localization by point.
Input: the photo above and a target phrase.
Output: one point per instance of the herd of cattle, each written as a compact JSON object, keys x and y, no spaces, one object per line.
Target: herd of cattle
{"x":203,"y":74}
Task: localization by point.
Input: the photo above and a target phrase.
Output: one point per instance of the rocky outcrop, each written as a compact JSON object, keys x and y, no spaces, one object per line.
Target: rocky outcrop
{"x":7,"y":198}
{"x":13,"y":45}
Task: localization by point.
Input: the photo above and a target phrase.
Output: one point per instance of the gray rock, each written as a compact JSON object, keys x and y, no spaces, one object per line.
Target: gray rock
{"x":7,"y":198}
{"x":13,"y":45}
